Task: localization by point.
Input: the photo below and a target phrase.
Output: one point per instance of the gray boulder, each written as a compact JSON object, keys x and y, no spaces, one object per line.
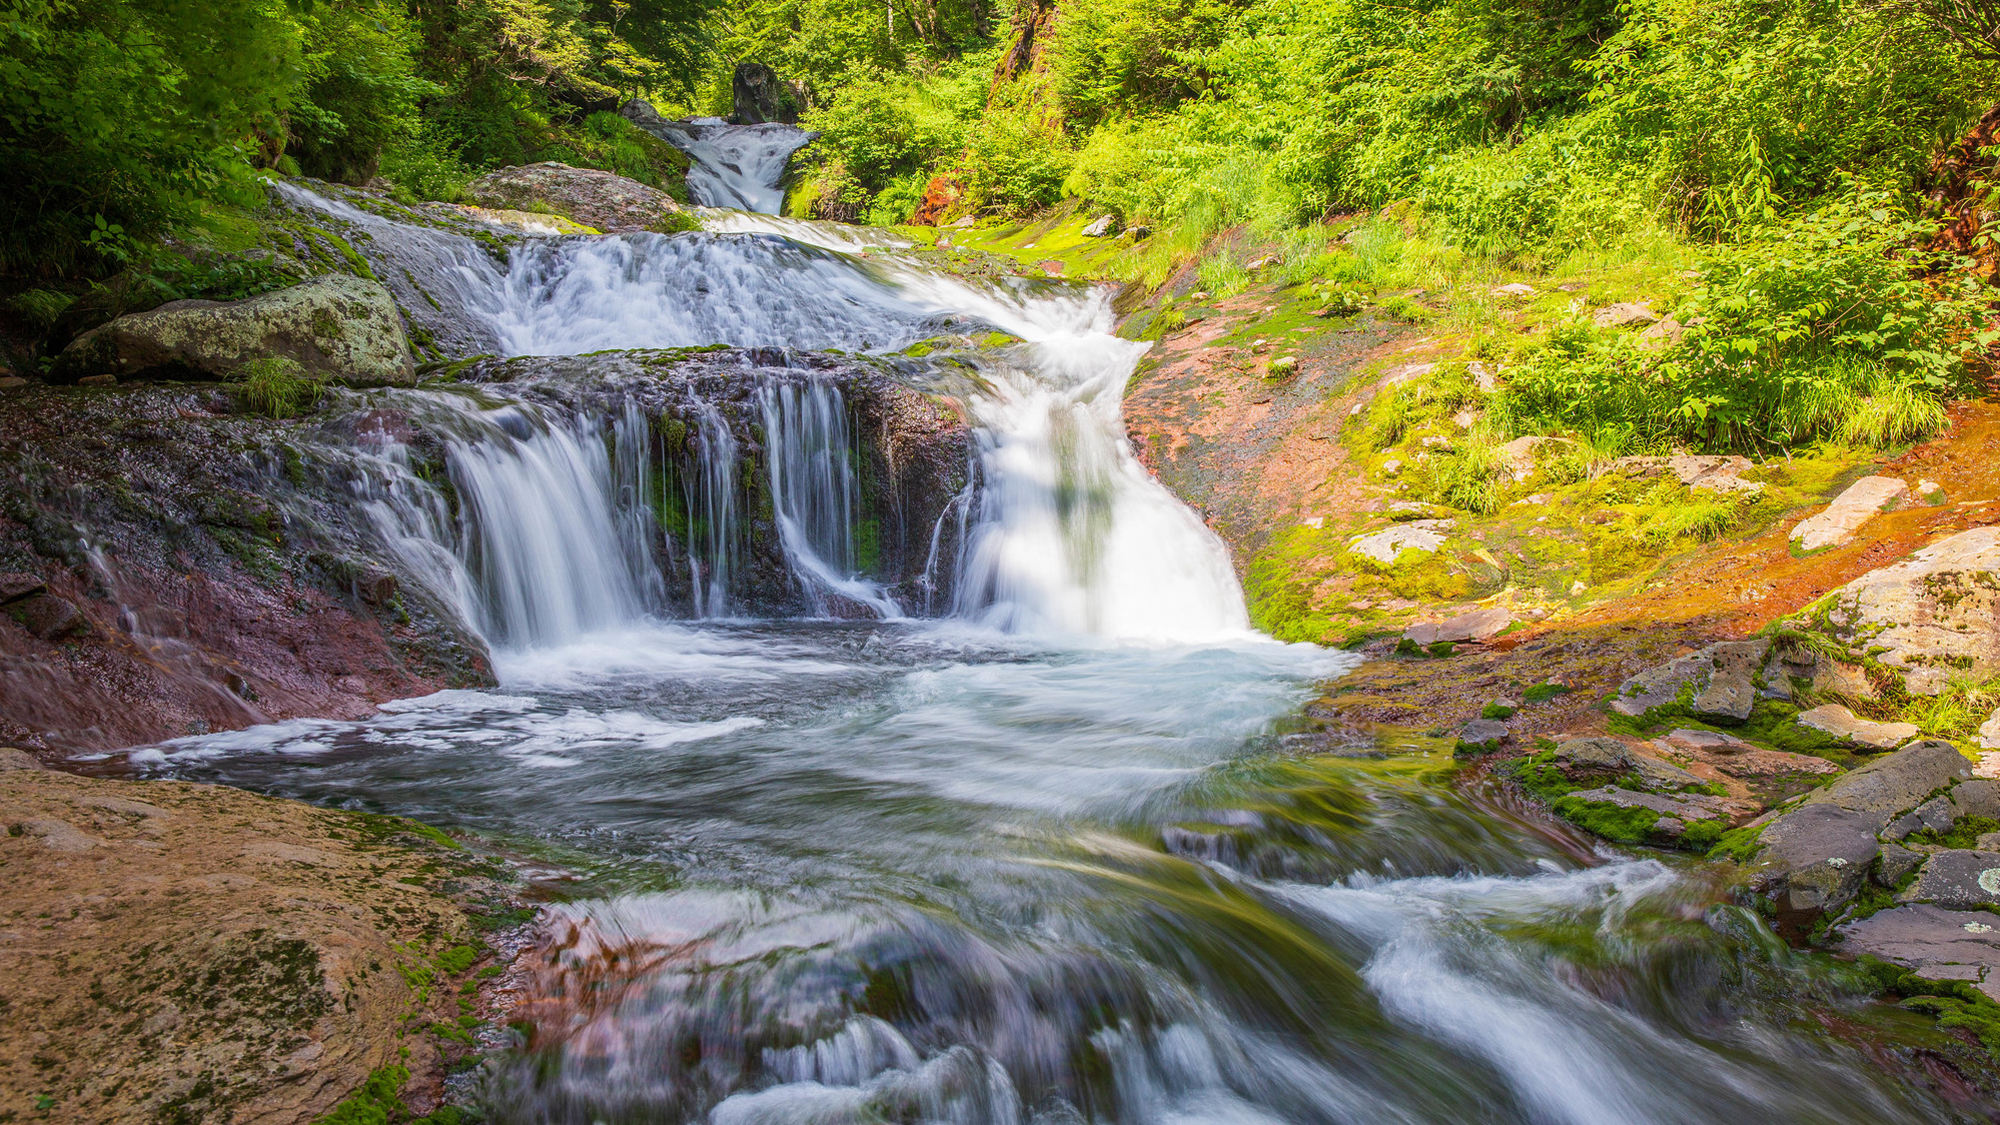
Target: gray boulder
{"x":335,"y":328}
{"x":605,"y":201}
{"x":1894,"y":862}
{"x":1957,"y":878}
{"x":1977,"y":797}
{"x":1720,"y":681}
{"x":1934,"y":815}
{"x":1481,"y":736}
{"x":1931,"y":615}
{"x":1838,"y":721}
{"x":1886,"y":787}
{"x":1932,"y":942}
{"x":1814,"y":859}
{"x":1582,"y":757}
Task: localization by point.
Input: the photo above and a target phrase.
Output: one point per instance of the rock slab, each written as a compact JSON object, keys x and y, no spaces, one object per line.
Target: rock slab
{"x":610,"y":203}
{"x":334,"y":328}
{"x":1838,"y":721}
{"x":1932,"y":942}
{"x":1931,"y":616}
{"x":1837,"y":522}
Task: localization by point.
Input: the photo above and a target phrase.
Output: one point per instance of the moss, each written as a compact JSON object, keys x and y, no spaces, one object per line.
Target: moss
{"x":1542,"y":693}
{"x":375,"y":1103}
{"x":1963,"y":833}
{"x":1956,"y":1005}
{"x":1739,"y":844}
{"x":1496,"y":711}
{"x":1602,"y":818}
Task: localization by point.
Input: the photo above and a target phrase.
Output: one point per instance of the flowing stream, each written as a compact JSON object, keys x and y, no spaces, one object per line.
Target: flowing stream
{"x":1044,"y":854}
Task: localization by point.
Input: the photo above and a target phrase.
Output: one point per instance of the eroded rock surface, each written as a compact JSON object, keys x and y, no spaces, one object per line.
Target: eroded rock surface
{"x":1718,"y":682}
{"x":1838,"y":521}
{"x":1932,"y":615}
{"x":605,"y":201}
{"x":246,"y":957}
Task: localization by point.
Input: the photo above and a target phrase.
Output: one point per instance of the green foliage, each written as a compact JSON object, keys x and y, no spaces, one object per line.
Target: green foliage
{"x":1602,"y":818}
{"x":1956,"y":1004}
{"x":1542,"y":693}
{"x":276,"y":388}
{"x":1963,"y":833}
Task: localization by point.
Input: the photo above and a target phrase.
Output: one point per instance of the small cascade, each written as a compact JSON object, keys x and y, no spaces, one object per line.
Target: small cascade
{"x":735,"y":166}
{"x":709,"y":491}
{"x":814,"y":495}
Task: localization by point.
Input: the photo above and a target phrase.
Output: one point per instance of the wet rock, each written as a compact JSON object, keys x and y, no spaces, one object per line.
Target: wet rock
{"x":1481,"y":736}
{"x":1684,"y":808}
{"x":1895,"y":861}
{"x":1838,"y":721}
{"x":1932,"y":942}
{"x":335,"y":328}
{"x":1584,"y":758}
{"x":49,"y":617}
{"x":1102,"y":227}
{"x":15,"y":585}
{"x":1957,"y":878}
{"x":1719,"y":680}
{"x":1931,"y":616}
{"x":1478,"y":626}
{"x":1837,"y":522}
{"x":607,"y":202}
{"x":759,"y":96}
{"x":1623,"y":313}
{"x":1417,"y":535}
{"x":1813,"y":859}
{"x":1713,"y":474}
{"x":16,"y":759}
{"x":1886,"y":787}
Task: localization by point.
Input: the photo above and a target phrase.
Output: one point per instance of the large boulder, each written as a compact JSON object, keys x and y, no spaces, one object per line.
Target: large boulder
{"x":604,"y":201}
{"x":335,"y":328}
{"x":1897,"y":783}
{"x":761,"y":97}
{"x":1932,"y":942}
{"x":1932,"y":615}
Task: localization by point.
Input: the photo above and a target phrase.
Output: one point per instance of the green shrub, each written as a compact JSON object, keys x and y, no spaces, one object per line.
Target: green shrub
{"x":277,"y":388}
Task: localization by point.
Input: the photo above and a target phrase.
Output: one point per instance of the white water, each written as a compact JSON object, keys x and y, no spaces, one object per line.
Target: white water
{"x":737,"y":166}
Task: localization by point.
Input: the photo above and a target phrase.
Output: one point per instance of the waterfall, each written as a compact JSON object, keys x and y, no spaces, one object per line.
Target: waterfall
{"x":814,"y":496}
{"x":735,"y":166}
{"x":710,"y":495}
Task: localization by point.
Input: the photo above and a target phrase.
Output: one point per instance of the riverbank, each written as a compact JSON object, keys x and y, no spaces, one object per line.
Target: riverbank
{"x":191,"y":953}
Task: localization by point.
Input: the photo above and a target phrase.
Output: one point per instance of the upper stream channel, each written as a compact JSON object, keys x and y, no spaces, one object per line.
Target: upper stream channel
{"x":1021,"y":841}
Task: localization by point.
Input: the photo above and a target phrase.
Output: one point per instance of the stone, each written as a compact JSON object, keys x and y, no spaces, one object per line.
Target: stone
{"x":759,"y":96}
{"x":1663,"y":332}
{"x":49,"y":617}
{"x":1932,"y":942}
{"x":15,"y":585}
{"x":335,"y":328}
{"x":61,"y":835}
{"x":1988,"y":737}
{"x":1977,"y":797}
{"x":1519,"y":456}
{"x":1838,"y":721}
{"x":13,"y":758}
{"x":1721,"y":680}
{"x":1102,"y":227}
{"x":1284,"y":365}
{"x":1478,"y":626}
{"x":1931,"y":616}
{"x":1857,"y":504}
{"x":1892,"y":784}
{"x":604,"y":201}
{"x":1814,"y":858}
{"x":1393,"y":466}
{"x":1483,"y":379}
{"x":1603,"y":754}
{"x":106,"y":380}
{"x":1957,"y":878}
{"x":1693,"y":807}
{"x":1987,"y":842}
{"x":1481,"y":736}
{"x":12,"y":382}
{"x":1417,"y":535}
{"x":1623,"y":313}
{"x":1594,"y":753}
{"x":1895,"y":861}
{"x":1714,"y":474}
{"x":1515,"y":289}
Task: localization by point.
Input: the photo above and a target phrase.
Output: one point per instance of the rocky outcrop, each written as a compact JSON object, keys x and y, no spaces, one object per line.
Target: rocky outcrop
{"x":334,"y":329}
{"x":1838,"y":721}
{"x":195,"y":953}
{"x":1717,"y":682}
{"x":1929,"y":617}
{"x":1839,"y":520}
{"x":604,"y":201}
{"x":760,"y":97}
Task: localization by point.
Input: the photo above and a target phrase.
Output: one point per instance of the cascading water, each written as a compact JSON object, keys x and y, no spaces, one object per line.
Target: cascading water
{"x":843,"y":872}
{"x":735,"y":166}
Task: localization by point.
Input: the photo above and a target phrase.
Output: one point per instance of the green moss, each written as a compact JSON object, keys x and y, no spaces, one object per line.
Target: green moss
{"x":1963,"y":833}
{"x":1496,"y":711}
{"x":375,"y":1103}
{"x":457,"y":959}
{"x":1955,"y":1004}
{"x":277,"y":387}
{"x":1602,"y":818}
{"x":1542,"y":693}
{"x":1739,"y":844}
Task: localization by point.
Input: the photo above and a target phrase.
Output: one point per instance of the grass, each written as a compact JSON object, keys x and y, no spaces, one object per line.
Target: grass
{"x":277,"y":387}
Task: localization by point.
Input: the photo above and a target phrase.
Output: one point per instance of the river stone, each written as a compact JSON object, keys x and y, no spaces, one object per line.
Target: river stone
{"x":1102,"y":227}
{"x":14,"y":758}
{"x":1887,"y":786}
{"x":1814,"y":858}
{"x":1417,"y":535}
{"x":1930,"y":614}
{"x":611,"y":203}
{"x":15,"y":585}
{"x":1837,"y":522}
{"x":1481,"y":736}
{"x":1977,"y":797}
{"x":1838,"y":721}
{"x":335,"y":328}
{"x":1932,"y":942}
{"x":1688,"y":807}
{"x":1894,"y":862}
{"x":1478,"y":626}
{"x":1957,"y":878}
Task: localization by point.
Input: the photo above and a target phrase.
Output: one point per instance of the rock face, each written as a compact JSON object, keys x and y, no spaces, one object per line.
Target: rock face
{"x":1934,"y":943}
{"x":1958,"y":878}
{"x":1719,"y":681}
{"x":1838,"y":521}
{"x":1478,"y":626}
{"x":604,"y":201}
{"x":1932,"y":615}
{"x":334,"y":328}
{"x":760,"y":97}
{"x":1417,"y":535}
{"x":242,"y":952}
